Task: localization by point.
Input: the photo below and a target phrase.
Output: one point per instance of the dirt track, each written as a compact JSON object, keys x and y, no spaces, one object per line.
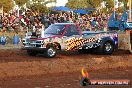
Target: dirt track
{"x":18,"y":70}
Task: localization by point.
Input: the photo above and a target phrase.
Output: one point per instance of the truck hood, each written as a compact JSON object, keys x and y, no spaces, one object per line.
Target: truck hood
{"x":45,"y":36}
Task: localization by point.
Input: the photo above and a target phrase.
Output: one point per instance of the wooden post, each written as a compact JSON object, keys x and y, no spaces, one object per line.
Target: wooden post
{"x":2,"y":10}
{"x":130,"y":33}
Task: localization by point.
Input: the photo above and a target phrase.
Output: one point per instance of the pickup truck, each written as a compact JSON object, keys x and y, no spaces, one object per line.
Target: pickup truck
{"x":68,"y":36}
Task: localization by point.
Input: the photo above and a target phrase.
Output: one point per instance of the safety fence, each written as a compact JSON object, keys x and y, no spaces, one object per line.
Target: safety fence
{"x":11,"y":38}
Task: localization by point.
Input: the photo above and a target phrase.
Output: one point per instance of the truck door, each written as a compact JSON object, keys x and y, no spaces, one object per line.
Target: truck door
{"x":72,"y":30}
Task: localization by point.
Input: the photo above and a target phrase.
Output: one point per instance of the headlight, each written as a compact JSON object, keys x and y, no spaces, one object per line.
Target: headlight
{"x":42,"y":42}
{"x":23,"y":40}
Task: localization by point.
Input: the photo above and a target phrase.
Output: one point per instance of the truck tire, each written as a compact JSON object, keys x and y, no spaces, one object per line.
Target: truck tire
{"x":32,"y":53}
{"x":106,"y":48}
{"x":50,"y":52}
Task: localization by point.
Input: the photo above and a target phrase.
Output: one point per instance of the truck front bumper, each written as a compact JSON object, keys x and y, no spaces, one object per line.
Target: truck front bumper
{"x":33,"y":48}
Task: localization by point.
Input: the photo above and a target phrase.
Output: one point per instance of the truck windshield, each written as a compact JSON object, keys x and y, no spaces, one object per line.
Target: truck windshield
{"x":55,"y":29}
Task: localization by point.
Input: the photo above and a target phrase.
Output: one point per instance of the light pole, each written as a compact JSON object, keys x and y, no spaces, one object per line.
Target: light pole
{"x":130,"y":10}
{"x":115,"y":6}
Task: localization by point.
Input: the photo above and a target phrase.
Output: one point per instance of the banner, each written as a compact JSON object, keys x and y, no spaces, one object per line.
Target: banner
{"x":1,"y":11}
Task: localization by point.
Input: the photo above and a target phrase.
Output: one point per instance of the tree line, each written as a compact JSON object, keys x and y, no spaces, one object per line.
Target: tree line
{"x":40,"y":5}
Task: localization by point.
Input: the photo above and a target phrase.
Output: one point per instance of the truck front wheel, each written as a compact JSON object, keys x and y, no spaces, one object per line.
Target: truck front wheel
{"x":50,"y":52}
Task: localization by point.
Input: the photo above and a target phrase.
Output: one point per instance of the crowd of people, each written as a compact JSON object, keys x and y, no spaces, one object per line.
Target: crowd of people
{"x":35,"y":22}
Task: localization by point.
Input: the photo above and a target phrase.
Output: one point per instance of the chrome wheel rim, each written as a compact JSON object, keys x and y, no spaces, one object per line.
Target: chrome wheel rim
{"x":108,"y":47}
{"x":51,"y":52}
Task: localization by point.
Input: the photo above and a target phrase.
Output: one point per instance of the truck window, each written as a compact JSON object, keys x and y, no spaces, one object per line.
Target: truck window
{"x":72,"y":30}
{"x":55,"y":29}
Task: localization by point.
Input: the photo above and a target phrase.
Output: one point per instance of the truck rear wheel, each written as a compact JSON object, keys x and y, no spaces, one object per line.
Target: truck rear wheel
{"x":106,"y":48}
{"x":50,"y":52}
{"x":32,"y":53}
